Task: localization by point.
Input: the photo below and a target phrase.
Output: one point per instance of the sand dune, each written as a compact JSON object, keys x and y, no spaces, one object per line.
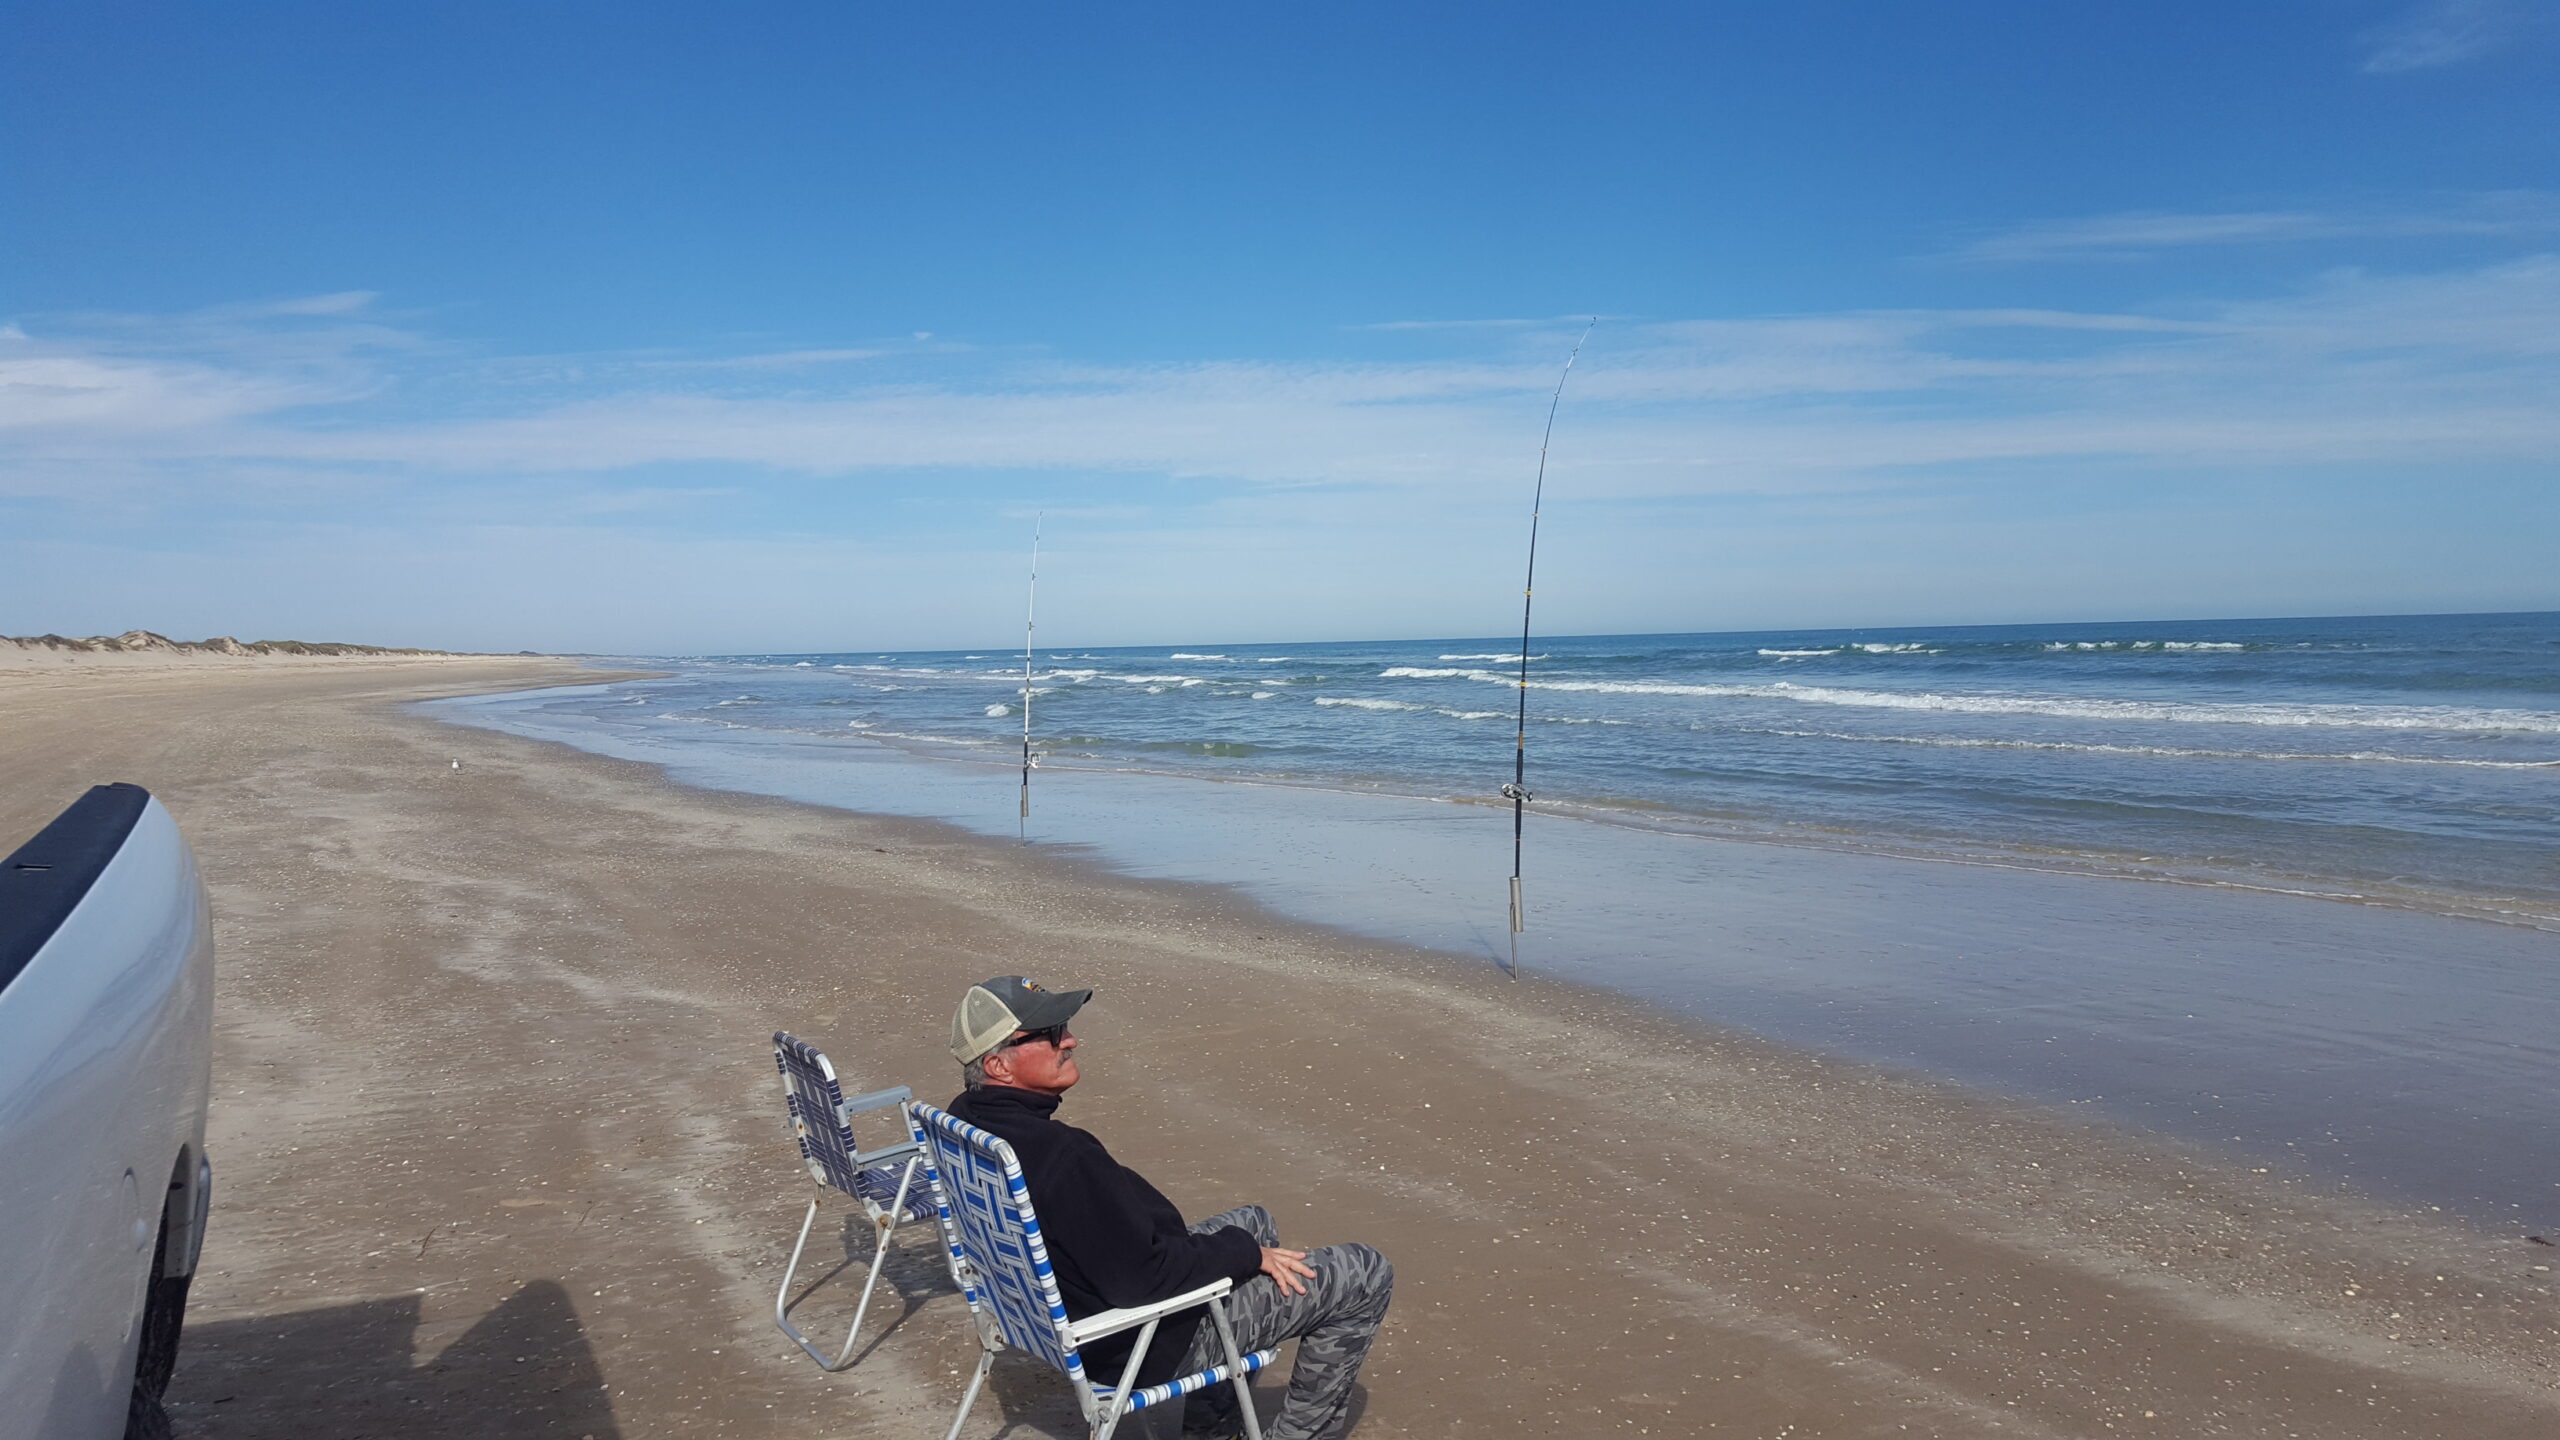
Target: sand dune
{"x":142,"y":649}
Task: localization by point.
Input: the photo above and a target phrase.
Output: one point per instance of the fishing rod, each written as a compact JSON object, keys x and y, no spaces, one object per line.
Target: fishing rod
{"x":1030,"y":607}
{"x":1517,"y":792}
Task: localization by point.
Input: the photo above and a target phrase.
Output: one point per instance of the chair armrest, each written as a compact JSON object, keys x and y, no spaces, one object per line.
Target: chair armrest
{"x":878,"y":1100}
{"x":894,"y":1095}
{"x":1112,"y":1322}
{"x":898,"y":1151}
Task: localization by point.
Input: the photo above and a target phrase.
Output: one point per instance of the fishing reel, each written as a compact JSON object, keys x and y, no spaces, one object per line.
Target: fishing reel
{"x":1516,"y":792}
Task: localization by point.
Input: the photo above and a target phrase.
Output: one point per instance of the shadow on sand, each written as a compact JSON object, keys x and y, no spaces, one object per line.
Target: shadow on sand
{"x":350,"y":1372}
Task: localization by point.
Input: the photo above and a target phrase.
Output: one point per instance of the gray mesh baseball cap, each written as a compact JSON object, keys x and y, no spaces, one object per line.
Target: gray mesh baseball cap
{"x":992,"y":1011}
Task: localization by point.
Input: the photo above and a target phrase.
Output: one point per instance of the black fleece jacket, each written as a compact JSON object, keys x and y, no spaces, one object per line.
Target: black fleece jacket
{"x":1113,"y":1239}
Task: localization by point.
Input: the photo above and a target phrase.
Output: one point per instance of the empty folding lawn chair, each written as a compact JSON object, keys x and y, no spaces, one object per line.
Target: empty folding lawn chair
{"x":886,"y":1182}
{"x":989,"y":1223}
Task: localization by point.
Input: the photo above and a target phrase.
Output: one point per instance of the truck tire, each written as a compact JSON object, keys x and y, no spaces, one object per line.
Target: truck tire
{"x":144,"y":1419}
{"x":164,"y":1314}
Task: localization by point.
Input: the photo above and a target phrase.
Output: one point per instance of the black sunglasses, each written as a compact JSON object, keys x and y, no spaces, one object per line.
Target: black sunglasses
{"x":1052,"y":1035}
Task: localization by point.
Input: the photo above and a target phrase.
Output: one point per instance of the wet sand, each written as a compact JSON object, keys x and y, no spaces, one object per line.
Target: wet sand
{"x":499,"y":1149}
{"x":2409,"y":1055}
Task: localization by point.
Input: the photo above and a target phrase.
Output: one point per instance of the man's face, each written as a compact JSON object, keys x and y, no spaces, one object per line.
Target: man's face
{"x":1036,"y":1063}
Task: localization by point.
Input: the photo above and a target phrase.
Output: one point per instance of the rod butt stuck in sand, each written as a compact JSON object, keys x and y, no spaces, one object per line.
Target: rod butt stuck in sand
{"x":1517,"y":792}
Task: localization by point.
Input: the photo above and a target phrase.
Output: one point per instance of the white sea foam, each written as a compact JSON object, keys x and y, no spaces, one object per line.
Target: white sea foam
{"x":2459,"y":718}
{"x":2144,"y":645}
{"x":1957,"y":742}
{"x":1789,"y":654}
{"x":1157,"y":680}
{"x":1277,"y":659}
{"x":898,"y":670}
{"x":1186,"y":655}
{"x":994,"y":710}
{"x":1504,"y":659}
{"x":1264,"y":694}
{"x":1913,"y":647}
{"x":1363,"y":704}
{"x":805,"y":665}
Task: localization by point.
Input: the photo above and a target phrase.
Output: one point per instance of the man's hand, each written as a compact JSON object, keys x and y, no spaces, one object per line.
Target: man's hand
{"x":1288,"y":1269}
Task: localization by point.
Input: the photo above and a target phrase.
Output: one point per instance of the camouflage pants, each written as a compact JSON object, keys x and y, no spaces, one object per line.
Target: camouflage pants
{"x":1333,"y":1323}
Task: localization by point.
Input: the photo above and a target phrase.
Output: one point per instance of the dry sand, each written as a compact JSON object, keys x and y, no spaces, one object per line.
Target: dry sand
{"x":500,"y":1152}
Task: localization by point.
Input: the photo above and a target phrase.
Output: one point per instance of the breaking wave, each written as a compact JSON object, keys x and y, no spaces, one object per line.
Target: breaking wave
{"x":2461,"y":718}
{"x":1359,"y":704}
{"x":1959,"y":742}
{"x":2215,"y":645}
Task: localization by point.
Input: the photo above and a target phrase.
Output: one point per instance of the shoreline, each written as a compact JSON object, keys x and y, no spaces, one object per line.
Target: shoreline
{"x":2441,"y":904}
{"x":1652,"y":818}
{"x":491,"y":1084}
{"x":2405,"y":764}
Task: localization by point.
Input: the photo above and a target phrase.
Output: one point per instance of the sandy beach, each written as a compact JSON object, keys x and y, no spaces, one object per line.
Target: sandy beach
{"x":499,"y":1149}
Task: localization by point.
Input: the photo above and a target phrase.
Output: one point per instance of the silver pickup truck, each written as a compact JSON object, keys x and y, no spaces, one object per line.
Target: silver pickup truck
{"x":106,"y":1009}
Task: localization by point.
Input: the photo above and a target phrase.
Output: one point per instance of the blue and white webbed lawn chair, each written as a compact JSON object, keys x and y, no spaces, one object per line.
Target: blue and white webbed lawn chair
{"x":885,"y":1182}
{"x":992,"y":1230}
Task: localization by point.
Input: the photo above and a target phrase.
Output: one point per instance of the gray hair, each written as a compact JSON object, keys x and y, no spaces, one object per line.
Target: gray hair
{"x":973,"y":1074}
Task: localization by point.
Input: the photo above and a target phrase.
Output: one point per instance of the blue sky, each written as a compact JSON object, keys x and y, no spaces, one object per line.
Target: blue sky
{"x":644,"y":328}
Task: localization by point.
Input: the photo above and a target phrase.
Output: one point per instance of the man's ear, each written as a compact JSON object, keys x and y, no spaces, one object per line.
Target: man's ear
{"x":996,"y":1066}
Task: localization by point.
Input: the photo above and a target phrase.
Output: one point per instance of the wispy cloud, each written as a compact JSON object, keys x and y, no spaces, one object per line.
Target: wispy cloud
{"x":2443,"y":32}
{"x":2451,"y":368}
{"x":2140,"y":234}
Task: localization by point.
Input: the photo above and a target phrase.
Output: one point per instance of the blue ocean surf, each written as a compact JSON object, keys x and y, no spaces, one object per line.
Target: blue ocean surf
{"x":1727,"y":825}
{"x":2411,"y":761}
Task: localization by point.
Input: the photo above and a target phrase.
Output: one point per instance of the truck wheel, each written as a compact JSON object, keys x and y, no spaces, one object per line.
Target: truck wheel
{"x":164,"y":1313}
{"x":144,"y":1419}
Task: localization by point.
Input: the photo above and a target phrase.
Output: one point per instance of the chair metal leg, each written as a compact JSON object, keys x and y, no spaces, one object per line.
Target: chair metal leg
{"x":1235,"y":1368}
{"x":1119,"y":1407}
{"x":986,"y":1358}
{"x":887,"y":1225}
{"x":782,"y":1303}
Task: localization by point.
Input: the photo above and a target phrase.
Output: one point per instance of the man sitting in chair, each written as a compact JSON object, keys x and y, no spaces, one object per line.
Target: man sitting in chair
{"x":1116,"y":1241}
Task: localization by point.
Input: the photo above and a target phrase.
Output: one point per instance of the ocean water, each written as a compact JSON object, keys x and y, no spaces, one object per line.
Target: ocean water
{"x":2352,"y":971}
{"x":2405,"y":760}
